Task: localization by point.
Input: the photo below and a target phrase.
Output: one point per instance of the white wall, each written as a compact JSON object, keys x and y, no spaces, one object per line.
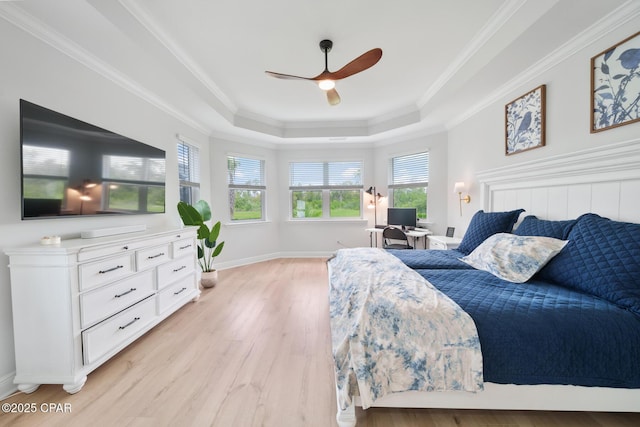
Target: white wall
{"x":247,"y":242}
{"x":36,"y":72}
{"x":436,"y":144}
{"x":477,"y":144}
{"x":279,"y":235}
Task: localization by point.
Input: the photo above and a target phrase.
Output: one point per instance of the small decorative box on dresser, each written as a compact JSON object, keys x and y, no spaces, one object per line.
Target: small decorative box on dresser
{"x":443,"y":242}
{"x":77,"y":304}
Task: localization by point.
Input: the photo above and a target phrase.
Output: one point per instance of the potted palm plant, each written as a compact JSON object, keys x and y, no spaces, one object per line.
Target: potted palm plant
{"x":208,"y":247}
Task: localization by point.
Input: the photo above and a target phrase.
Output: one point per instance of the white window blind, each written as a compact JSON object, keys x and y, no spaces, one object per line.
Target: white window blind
{"x":324,"y":175}
{"x":245,"y":173}
{"x":45,"y":161}
{"x":188,"y":163}
{"x":133,"y":169}
{"x":410,"y":170}
{"x":188,"y":172}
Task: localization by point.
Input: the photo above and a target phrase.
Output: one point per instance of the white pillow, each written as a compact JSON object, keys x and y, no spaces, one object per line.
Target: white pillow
{"x":514,"y":258}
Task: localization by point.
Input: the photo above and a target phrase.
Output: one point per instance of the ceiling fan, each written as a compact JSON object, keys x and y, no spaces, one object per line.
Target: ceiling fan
{"x":326,"y":79}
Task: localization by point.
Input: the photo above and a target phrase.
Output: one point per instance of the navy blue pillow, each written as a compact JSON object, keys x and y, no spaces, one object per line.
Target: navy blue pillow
{"x":602,"y":258}
{"x":486,"y":224}
{"x":532,"y":226}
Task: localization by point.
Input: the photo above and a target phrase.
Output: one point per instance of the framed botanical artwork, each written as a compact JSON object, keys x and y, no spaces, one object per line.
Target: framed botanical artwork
{"x":615,"y":85}
{"x":525,"y":121}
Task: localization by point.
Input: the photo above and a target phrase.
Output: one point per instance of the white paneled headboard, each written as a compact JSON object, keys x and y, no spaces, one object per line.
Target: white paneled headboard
{"x":603,"y":180}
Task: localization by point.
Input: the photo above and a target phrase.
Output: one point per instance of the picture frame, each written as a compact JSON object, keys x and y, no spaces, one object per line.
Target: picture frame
{"x":525,"y":121}
{"x":615,"y":85}
{"x":450,"y":231}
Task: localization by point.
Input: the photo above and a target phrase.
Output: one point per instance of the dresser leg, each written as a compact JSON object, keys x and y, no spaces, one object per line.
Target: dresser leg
{"x":28,"y":388}
{"x":75,"y":387}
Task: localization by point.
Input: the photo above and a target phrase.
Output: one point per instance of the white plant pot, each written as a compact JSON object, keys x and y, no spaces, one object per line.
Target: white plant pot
{"x":209,"y":279}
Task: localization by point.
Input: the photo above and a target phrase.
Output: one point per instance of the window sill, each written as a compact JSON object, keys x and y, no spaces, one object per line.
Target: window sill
{"x":247,"y":222}
{"x":326,"y":221}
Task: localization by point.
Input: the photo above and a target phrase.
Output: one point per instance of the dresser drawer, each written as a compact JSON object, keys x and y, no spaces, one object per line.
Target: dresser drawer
{"x":175,"y":293}
{"x":91,"y":253}
{"x":146,"y":258}
{"x":174,"y":270}
{"x":108,"y":300}
{"x":183,"y":247}
{"x":107,"y":270}
{"x":109,"y":334}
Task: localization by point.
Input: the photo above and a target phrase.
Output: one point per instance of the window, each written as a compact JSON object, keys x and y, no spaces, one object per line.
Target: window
{"x":246,"y":188}
{"x":46,"y":172}
{"x":326,"y":189}
{"x":409,"y":182}
{"x":134,"y":184}
{"x":189,"y":172}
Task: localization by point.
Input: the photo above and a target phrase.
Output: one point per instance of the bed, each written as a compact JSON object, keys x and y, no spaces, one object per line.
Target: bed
{"x":566,"y":338}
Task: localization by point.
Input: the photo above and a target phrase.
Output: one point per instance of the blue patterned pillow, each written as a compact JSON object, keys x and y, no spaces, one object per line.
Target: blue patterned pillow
{"x":602,"y":258}
{"x":532,"y":226}
{"x":486,"y":224}
{"x":514,"y":258}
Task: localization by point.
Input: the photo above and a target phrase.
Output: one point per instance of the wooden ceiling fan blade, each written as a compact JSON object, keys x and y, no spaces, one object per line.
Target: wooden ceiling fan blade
{"x":287,"y":76}
{"x":361,"y":63}
{"x":333,"y":97}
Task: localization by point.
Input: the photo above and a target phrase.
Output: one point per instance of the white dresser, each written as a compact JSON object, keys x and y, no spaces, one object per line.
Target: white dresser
{"x":77,"y":304}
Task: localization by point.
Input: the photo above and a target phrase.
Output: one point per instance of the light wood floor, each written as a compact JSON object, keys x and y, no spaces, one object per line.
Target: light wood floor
{"x":254,"y":351}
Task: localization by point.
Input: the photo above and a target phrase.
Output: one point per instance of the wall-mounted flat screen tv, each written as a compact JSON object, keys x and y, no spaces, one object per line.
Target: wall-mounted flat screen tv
{"x":73,"y":168}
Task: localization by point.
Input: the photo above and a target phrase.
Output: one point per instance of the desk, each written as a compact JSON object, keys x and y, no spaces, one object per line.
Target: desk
{"x":443,"y":242}
{"x":413,"y":234}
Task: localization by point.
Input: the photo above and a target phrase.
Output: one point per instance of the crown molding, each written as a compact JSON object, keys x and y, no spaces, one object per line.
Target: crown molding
{"x":618,"y":17}
{"x":497,"y":21}
{"x":267,"y":128}
{"x":44,"y":33}
{"x":148,"y":23}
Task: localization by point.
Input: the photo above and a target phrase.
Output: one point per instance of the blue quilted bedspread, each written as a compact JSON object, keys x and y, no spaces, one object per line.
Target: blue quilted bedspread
{"x":538,"y":333}
{"x":429,"y":258}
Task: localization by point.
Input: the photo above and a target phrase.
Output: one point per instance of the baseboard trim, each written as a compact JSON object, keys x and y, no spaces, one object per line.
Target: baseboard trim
{"x":272,"y":256}
{"x":7,"y":387}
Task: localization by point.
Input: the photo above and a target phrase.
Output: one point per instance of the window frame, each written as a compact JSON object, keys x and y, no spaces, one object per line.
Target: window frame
{"x":193,"y":161}
{"x":326,"y":188}
{"x":262,"y":188}
{"x":392,"y":186}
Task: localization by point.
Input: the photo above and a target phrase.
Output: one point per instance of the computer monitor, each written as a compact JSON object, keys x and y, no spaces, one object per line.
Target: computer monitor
{"x":404,"y":217}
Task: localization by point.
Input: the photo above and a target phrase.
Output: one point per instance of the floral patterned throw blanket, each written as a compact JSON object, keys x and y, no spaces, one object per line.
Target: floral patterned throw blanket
{"x":393,"y":331}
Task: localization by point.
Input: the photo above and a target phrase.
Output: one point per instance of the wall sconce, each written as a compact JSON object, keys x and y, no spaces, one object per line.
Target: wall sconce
{"x":459,"y":188}
{"x":373,"y":204}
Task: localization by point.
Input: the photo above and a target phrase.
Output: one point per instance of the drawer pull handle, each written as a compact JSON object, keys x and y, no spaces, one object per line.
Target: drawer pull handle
{"x":180,"y":291}
{"x":135,"y":319}
{"x":110,"y":269}
{"x":184,"y":247}
{"x":125,"y":293}
{"x":175,"y":270}
{"x":155,"y":256}
{"x":125,"y":248}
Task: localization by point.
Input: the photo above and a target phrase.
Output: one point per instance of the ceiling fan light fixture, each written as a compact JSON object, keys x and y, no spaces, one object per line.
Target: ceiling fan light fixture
{"x":326,"y":84}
